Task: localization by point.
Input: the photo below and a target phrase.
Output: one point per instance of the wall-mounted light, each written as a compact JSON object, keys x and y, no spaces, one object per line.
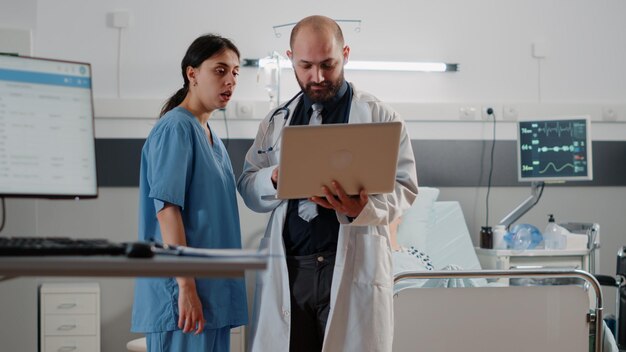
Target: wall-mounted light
{"x":401,"y":66}
{"x":363,"y":65}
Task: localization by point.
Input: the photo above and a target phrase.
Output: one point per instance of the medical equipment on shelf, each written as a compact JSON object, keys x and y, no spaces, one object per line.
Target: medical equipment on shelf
{"x":522,"y":237}
{"x":552,"y":150}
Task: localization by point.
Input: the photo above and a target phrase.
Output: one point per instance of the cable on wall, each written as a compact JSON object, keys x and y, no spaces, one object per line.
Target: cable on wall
{"x":540,"y":50}
{"x":119,"y":19}
{"x":539,"y":80}
{"x":4,"y":214}
{"x":493,"y":144}
{"x":119,"y":63}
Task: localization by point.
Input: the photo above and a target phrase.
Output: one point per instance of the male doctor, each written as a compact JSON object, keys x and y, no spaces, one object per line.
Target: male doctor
{"x":328,"y":285}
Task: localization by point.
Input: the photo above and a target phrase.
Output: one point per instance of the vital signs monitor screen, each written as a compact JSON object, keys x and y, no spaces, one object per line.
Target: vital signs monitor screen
{"x":554,"y":150}
{"x":47,"y":146}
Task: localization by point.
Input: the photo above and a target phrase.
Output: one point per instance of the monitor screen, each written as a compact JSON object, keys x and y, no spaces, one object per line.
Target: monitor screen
{"x":554,"y":150}
{"x":47,"y":146}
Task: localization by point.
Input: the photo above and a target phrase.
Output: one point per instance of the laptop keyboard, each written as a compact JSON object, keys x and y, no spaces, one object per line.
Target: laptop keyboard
{"x":43,"y":246}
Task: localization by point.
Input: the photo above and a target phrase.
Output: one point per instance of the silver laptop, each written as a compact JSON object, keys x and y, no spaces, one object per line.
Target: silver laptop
{"x":356,"y":155}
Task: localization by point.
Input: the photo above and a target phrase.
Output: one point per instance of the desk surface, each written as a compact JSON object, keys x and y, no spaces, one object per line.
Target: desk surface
{"x":120,"y":266}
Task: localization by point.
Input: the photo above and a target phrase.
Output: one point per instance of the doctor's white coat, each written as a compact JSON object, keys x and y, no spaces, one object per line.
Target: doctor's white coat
{"x":361,"y":303}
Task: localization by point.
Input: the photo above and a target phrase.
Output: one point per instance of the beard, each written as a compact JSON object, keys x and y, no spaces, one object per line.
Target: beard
{"x":328,"y":89}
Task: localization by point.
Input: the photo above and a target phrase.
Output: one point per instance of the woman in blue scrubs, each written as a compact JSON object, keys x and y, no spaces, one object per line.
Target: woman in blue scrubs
{"x":187,"y":197}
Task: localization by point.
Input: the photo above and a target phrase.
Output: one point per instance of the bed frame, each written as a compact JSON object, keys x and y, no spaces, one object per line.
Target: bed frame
{"x":493,"y":319}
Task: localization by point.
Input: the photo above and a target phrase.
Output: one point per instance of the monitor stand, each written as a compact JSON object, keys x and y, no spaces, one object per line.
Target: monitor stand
{"x":536,"y":189}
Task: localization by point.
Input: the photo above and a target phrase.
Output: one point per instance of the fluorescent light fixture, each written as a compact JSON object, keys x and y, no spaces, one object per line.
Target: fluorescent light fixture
{"x":396,"y":66}
{"x":363,"y":65}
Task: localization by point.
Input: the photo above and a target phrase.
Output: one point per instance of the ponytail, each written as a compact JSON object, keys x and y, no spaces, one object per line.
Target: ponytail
{"x":174,"y":100}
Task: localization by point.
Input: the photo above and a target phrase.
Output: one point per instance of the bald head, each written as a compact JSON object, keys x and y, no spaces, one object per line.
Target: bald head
{"x":318,"y":55}
{"x":320,"y":25}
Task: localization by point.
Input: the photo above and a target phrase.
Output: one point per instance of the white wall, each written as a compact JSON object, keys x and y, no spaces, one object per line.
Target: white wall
{"x":491,"y":40}
{"x":582,"y":72}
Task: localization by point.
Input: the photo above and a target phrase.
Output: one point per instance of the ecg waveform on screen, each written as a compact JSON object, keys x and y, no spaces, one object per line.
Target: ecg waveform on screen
{"x":556,"y":169}
{"x":561,"y":128}
{"x":554,"y":149}
{"x":546,"y":129}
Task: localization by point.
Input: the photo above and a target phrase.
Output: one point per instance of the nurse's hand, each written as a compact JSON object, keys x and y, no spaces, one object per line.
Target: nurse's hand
{"x":350,"y":206}
{"x":189,"y":307}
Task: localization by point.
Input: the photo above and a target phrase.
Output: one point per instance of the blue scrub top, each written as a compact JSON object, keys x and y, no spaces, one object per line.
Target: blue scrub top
{"x":180,"y":166}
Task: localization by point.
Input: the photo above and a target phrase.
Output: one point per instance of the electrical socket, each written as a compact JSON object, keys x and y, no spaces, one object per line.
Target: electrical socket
{"x":467,"y":113}
{"x":245,"y":110}
{"x":510,"y":113}
{"x":484,"y":112}
{"x":609,"y":114}
{"x":120,"y":19}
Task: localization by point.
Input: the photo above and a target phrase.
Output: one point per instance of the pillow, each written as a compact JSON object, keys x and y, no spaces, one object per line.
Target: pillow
{"x":418,"y":219}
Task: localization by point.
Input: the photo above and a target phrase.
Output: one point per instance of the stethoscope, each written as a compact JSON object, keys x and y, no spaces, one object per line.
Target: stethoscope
{"x":282,"y":110}
{"x":286,"y":112}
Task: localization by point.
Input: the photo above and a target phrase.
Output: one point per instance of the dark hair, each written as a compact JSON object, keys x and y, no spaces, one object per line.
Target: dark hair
{"x":202,"y":48}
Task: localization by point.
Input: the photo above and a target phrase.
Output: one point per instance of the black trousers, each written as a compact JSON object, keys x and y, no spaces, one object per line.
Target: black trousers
{"x":310,"y":278}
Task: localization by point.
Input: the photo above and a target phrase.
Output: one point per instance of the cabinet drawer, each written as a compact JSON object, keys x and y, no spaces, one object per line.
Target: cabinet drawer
{"x":74,"y":303}
{"x":70,"y":344}
{"x":69,"y":325}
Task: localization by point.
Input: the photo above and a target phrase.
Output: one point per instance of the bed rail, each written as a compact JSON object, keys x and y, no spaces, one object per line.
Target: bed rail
{"x":595,"y":318}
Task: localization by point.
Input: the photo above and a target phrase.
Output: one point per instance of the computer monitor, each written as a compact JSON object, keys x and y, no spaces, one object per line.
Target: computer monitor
{"x":47,"y":146}
{"x":554,"y":150}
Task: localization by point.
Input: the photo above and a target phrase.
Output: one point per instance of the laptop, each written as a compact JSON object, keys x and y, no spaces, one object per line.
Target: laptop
{"x":356,"y":155}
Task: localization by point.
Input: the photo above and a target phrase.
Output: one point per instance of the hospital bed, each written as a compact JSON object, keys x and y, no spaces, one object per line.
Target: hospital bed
{"x":497,"y":318}
{"x":476,"y":315}
{"x":618,"y":283}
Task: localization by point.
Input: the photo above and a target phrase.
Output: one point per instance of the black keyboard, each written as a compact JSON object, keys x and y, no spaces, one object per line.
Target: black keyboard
{"x":40,"y":246}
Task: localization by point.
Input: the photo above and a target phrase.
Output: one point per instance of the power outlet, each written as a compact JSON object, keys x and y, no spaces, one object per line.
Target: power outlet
{"x":120,"y":19}
{"x":467,"y":113}
{"x":245,"y":110}
{"x":510,"y":113}
{"x":609,"y":114}
{"x":487,"y":113}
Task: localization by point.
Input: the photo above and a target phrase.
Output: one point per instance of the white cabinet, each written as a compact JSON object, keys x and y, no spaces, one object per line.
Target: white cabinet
{"x":505,"y":259}
{"x":69,"y":317}
{"x":237,"y":339}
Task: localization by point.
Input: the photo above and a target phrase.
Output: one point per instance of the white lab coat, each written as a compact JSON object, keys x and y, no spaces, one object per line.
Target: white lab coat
{"x":361,"y":311}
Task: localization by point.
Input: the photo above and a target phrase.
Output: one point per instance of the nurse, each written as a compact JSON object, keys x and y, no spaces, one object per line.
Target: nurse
{"x":187,"y":197}
{"x":329,"y":285}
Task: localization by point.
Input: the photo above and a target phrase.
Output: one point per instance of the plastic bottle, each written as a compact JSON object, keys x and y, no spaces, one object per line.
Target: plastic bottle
{"x":522,"y":239}
{"x":523,"y":236}
{"x":554,"y":236}
{"x":499,"y":231}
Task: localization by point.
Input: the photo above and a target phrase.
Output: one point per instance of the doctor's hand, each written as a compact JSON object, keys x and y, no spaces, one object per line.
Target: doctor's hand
{"x":189,"y":307}
{"x":350,"y":206}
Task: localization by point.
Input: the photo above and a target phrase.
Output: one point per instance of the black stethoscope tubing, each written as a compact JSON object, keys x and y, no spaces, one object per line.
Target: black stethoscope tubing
{"x":284,"y":109}
{"x":287,"y":112}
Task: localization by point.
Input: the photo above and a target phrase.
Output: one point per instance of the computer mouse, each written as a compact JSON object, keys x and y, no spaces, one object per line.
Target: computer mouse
{"x":139,"y":250}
